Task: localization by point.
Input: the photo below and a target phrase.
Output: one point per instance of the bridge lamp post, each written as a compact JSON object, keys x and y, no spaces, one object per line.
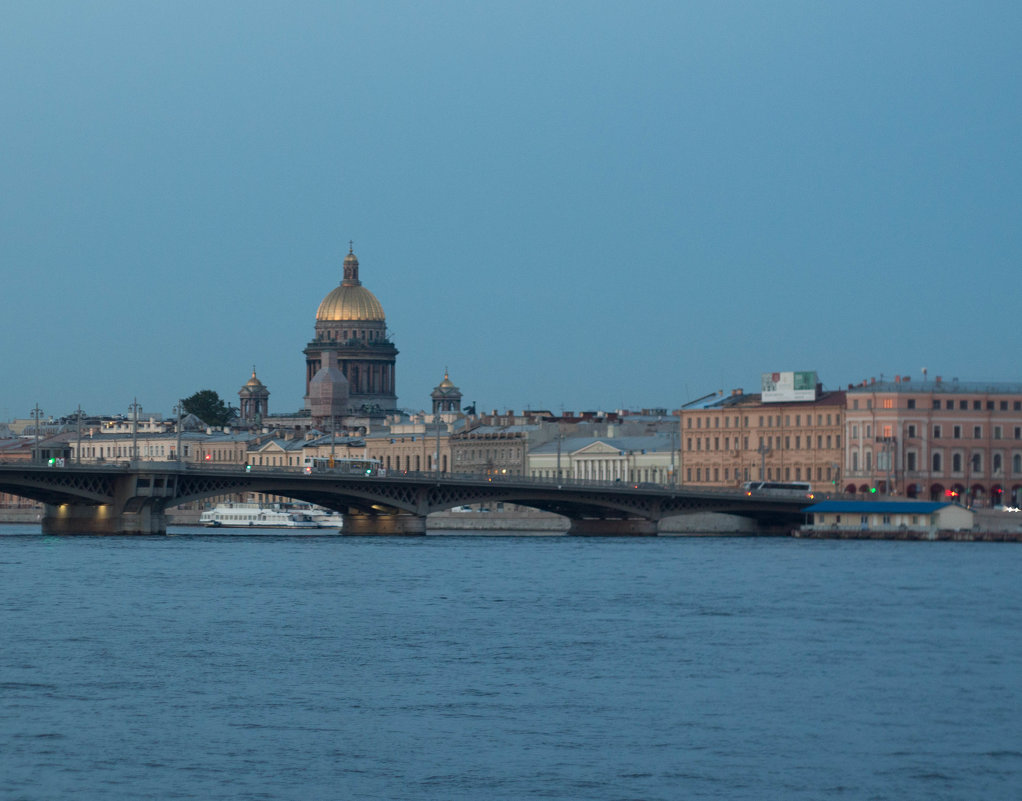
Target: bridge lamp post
{"x":436,"y":420}
{"x":762,"y":450}
{"x":36,"y":413}
{"x":78,"y":426}
{"x":179,"y":410}
{"x":135,"y":408}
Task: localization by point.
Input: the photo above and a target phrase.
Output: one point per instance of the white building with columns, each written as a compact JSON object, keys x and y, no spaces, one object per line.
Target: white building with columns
{"x":628,"y":459}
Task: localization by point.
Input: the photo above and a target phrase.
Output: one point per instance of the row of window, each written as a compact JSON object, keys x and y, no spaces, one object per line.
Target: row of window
{"x":911,"y":431}
{"x":125,"y":451}
{"x":765,"y":421}
{"x":771,"y":443}
{"x":958,"y":462}
{"x":772,"y":474}
{"x":492,"y":454}
{"x":360,"y":334}
{"x":948,"y":403}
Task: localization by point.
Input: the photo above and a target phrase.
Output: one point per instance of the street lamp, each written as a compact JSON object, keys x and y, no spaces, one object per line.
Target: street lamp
{"x":179,"y":410}
{"x":762,"y":450}
{"x":436,"y":420}
{"x":78,"y":426}
{"x":560,"y":436}
{"x":136,"y":407}
{"x":36,"y":413}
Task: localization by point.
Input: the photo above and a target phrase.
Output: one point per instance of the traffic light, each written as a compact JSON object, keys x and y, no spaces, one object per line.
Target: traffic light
{"x":872,"y":490}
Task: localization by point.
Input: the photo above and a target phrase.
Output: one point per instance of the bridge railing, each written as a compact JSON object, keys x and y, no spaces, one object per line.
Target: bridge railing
{"x":563,"y":482}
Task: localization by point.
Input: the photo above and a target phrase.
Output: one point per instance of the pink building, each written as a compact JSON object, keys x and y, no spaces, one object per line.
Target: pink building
{"x":936,"y":440}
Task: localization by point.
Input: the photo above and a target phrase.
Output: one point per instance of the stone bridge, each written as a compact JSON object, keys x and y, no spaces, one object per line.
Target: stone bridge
{"x":132,"y":498}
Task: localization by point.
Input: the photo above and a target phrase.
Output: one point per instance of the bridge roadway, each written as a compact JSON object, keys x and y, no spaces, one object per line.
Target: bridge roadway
{"x":132,"y":497}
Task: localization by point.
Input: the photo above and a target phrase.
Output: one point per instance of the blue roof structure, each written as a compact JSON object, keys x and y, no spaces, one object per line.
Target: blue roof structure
{"x":880,"y":507}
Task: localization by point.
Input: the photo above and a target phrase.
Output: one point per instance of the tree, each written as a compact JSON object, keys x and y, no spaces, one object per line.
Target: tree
{"x":209,"y":408}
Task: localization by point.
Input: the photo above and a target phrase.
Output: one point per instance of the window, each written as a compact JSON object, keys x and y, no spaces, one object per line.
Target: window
{"x":938,"y":465}
{"x":1004,"y":406}
{"x":911,"y":431}
{"x":888,"y":431}
{"x":910,"y":459}
{"x":855,"y":403}
{"x":911,"y":403}
{"x":976,"y":405}
{"x":956,"y":463}
{"x":997,"y":463}
{"x":997,"y":432}
{"x":888,"y":403}
{"x":956,"y":432}
{"x":990,"y":406}
{"x":977,"y":432}
{"x":855,"y":431}
{"x":936,"y":432}
{"x":1016,"y":464}
{"x":936,"y":403}
{"x":963,"y":404}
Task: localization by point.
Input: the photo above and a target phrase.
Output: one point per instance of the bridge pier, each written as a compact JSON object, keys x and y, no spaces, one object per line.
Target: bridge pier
{"x":68,"y":518}
{"x":388,"y":525}
{"x":597,"y":527}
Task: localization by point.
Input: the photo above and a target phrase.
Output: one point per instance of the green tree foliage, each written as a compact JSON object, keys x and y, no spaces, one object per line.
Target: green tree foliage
{"x":209,"y":408}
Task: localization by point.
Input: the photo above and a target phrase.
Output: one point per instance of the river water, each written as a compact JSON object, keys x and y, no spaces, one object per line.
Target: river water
{"x":199,"y":666}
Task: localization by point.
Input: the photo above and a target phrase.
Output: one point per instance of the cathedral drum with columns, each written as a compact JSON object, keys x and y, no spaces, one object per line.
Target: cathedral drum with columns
{"x":351,"y":331}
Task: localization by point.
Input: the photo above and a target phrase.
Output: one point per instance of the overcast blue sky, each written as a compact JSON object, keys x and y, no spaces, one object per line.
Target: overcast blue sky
{"x":575,"y":205}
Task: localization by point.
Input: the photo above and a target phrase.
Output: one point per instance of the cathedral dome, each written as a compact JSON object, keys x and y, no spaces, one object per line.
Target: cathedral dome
{"x":350,"y":301}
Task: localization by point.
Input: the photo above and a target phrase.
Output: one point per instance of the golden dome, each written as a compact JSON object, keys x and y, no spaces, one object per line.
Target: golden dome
{"x":350,"y":303}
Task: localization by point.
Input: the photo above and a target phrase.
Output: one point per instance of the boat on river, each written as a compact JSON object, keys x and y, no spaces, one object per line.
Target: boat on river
{"x":257,"y":515}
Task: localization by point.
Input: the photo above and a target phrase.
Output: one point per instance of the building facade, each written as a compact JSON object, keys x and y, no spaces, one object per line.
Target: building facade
{"x":936,"y":439}
{"x":351,"y":325}
{"x":728,"y":440}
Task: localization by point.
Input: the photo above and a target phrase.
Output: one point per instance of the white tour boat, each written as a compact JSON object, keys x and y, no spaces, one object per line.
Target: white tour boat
{"x":255,"y":515}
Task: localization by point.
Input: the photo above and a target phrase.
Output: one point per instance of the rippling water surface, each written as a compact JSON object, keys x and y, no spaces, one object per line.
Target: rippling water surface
{"x":226,"y":667}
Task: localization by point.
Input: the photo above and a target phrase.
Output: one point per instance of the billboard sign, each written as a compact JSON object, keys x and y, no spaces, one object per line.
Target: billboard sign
{"x":787,"y":387}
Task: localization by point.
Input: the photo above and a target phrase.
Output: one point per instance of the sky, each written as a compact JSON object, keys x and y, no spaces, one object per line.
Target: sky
{"x":569,"y":205}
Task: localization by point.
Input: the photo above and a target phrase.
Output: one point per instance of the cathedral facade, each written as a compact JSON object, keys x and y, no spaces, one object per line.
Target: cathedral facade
{"x":352,"y":350}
